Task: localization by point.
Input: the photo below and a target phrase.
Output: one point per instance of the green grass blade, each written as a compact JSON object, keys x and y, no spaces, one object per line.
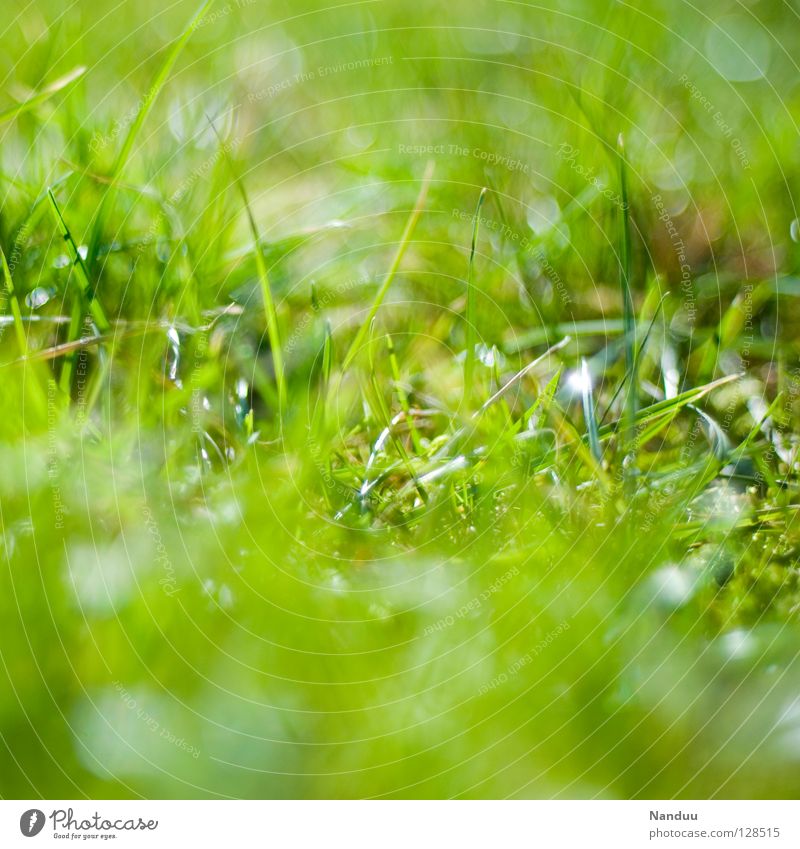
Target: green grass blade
{"x":469,"y":359}
{"x":520,"y":374}
{"x":43,"y":95}
{"x":543,"y":399}
{"x":577,"y":329}
{"x":19,"y":329}
{"x":84,"y":295}
{"x":668,"y":406}
{"x":464,"y":433}
{"x":741,"y":449}
{"x":34,"y":385}
{"x":404,"y":242}
{"x":327,"y":354}
{"x":589,"y":412}
{"x":744,"y":306}
{"x":388,"y":425}
{"x":271,"y":313}
{"x":402,"y":395}
{"x":323,"y":399}
{"x":81,"y":271}
{"x":127,"y":146}
{"x":565,"y":427}
{"x":637,"y":359}
{"x":628,"y":317}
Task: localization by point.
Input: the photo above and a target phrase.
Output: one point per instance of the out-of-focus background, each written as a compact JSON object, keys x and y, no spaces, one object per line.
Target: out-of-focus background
{"x":197,"y":601}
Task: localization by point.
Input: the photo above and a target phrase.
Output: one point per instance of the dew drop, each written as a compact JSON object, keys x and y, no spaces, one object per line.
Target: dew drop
{"x":38,"y":297}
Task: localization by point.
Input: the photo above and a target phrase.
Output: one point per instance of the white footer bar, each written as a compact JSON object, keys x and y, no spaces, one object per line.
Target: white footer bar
{"x":402,"y":824}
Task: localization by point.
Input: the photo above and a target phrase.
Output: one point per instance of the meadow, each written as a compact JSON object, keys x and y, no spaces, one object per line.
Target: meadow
{"x":399,"y":400}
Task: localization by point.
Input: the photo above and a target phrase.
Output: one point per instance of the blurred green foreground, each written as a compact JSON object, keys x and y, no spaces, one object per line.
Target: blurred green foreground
{"x":261,"y":542}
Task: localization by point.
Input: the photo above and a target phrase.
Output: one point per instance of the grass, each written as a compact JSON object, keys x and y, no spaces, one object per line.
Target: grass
{"x":330,"y":471}
{"x":40,"y":97}
{"x":471,"y":317}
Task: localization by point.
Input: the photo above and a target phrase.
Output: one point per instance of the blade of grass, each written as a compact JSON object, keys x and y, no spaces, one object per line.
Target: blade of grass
{"x":666,"y":407}
{"x":589,"y":412}
{"x":628,"y":317}
{"x":543,"y":399}
{"x":389,"y":423}
{"x":271,"y":313}
{"x":84,"y":295}
{"x":45,"y":94}
{"x":323,"y":398}
{"x":469,"y":359}
{"x":449,"y":457}
{"x":19,"y":328}
{"x":404,"y":242}
{"x":741,"y":449}
{"x":720,"y":444}
{"x":35,"y":387}
{"x":127,"y":146}
{"x":495,"y":358}
{"x":658,"y":426}
{"x":519,"y":375}
{"x":564,"y":426}
{"x":638,"y":357}
{"x":81,"y":271}
{"x":464,"y":433}
{"x":577,"y":329}
{"x":402,"y":395}
{"x":747,"y":303}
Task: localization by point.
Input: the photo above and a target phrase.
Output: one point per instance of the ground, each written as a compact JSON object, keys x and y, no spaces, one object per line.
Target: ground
{"x":399,"y":402}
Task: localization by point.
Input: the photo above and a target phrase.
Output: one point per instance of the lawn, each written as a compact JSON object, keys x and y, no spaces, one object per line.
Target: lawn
{"x":399,"y":400}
